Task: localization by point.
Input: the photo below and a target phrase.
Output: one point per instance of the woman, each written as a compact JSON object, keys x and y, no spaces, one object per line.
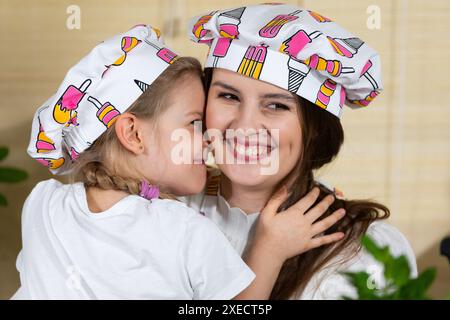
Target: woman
{"x":288,"y":72}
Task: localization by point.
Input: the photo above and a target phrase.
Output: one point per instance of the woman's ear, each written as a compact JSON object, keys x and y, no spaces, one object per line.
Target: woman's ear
{"x":127,"y":128}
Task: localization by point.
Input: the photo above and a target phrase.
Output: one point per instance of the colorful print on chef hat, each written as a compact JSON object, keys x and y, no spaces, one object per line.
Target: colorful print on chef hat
{"x":296,"y":74}
{"x":141,"y":85}
{"x":318,"y":17}
{"x":127,"y":44}
{"x":51,"y":163}
{"x":198,"y":29}
{"x":365,"y":102}
{"x":273,"y":27}
{"x":73,"y":154}
{"x":228,"y":30}
{"x":163,"y":53}
{"x":106,"y":113}
{"x":253,"y":61}
{"x":346,"y":47}
{"x":43,"y":143}
{"x":157,"y":32}
{"x":64,"y":111}
{"x":342,"y":98}
{"x":333,"y":67}
{"x":371,"y":80}
{"x":221,"y":49}
{"x":326,"y":90}
{"x":294,"y":44}
{"x":229,"y":22}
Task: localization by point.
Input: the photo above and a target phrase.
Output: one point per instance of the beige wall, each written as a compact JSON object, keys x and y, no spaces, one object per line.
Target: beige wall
{"x":397,"y":151}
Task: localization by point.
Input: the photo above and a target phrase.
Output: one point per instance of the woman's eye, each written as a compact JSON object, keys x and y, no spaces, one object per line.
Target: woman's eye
{"x":278,"y":106}
{"x":228,"y":96}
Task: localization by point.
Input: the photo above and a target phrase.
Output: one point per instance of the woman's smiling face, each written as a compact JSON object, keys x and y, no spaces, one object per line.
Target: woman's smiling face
{"x":267,"y":121}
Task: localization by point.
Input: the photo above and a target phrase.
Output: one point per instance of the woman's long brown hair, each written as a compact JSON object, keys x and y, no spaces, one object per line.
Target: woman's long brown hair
{"x":322,"y":138}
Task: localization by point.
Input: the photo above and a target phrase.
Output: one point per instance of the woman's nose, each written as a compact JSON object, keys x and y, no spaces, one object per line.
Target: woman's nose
{"x":248,"y":117}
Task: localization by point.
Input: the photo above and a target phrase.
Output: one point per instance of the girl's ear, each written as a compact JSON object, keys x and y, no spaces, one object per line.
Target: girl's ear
{"x":127,"y":128}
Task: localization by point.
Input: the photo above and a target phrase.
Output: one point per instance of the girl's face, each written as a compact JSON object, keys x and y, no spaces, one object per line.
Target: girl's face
{"x":239,"y":102}
{"x":174,"y":156}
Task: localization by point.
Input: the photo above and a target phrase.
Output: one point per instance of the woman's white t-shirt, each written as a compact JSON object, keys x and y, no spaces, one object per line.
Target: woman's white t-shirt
{"x":136,"y":249}
{"x":328,"y":283}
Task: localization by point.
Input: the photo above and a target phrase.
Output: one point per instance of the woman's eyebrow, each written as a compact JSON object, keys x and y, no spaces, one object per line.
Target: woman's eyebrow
{"x":224,"y":85}
{"x":278,"y":96}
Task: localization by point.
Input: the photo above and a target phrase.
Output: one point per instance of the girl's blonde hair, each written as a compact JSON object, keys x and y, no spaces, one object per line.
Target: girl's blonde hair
{"x":104,"y":163}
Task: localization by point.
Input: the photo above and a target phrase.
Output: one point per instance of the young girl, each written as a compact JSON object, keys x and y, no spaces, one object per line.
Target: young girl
{"x":107,"y":235}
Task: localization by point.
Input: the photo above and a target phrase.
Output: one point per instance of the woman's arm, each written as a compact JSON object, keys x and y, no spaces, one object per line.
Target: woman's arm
{"x":280,"y":236}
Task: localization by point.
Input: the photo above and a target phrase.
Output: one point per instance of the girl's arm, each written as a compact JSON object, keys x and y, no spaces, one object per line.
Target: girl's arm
{"x":280,"y":236}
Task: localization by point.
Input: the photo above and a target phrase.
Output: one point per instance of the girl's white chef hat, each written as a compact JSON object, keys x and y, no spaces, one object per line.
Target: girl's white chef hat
{"x":94,"y":92}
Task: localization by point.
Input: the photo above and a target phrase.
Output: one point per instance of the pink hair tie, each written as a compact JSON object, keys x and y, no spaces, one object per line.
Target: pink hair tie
{"x":149,"y":191}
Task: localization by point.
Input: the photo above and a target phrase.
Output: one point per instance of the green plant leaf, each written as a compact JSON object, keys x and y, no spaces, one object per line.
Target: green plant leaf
{"x":379,"y":253}
{"x":397,"y":270}
{"x":417,"y":288}
{"x":3,"y":201}
{"x":12,"y":175}
{"x":360,"y":282}
{"x":397,"y":275}
{"x":3,"y":152}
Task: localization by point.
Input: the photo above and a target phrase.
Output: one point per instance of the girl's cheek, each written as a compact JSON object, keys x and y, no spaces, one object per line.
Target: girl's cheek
{"x":197,"y":145}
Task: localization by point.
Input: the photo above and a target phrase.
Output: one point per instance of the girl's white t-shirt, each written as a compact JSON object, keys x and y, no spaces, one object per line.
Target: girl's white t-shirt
{"x":136,"y":249}
{"x":328,"y":283}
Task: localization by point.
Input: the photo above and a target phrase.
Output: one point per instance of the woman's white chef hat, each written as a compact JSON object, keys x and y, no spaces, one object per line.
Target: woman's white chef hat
{"x":94,"y":92}
{"x":296,"y":49}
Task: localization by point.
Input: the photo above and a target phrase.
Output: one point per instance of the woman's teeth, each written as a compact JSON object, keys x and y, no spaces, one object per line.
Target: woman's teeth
{"x":250,"y":151}
{"x":247,"y":152}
